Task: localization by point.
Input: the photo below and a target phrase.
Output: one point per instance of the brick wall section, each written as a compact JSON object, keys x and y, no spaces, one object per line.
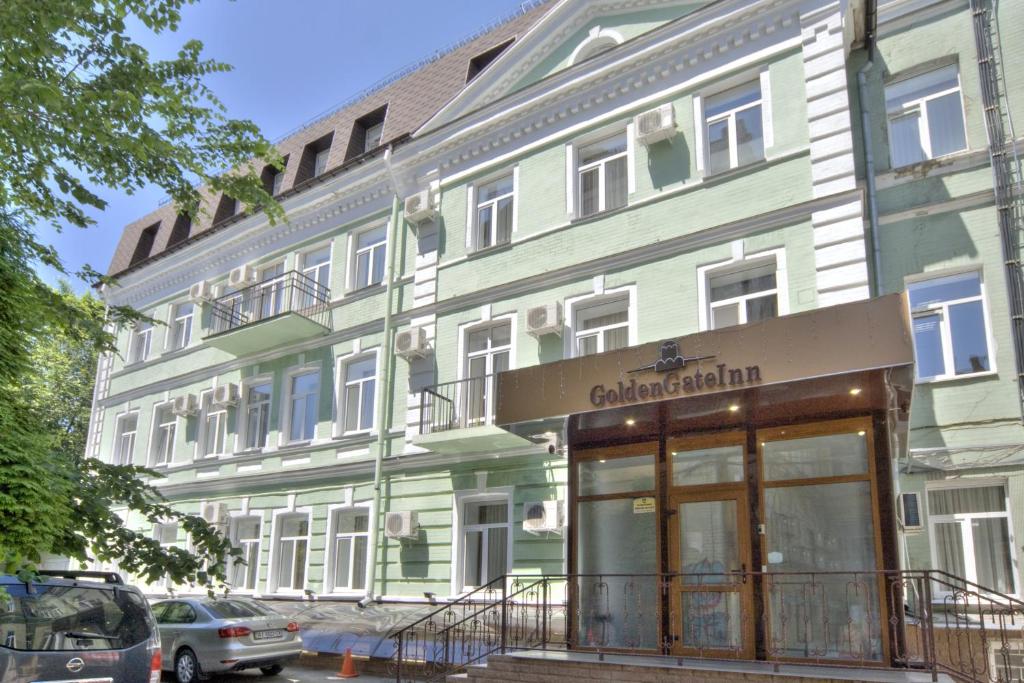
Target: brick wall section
{"x":411,"y":101}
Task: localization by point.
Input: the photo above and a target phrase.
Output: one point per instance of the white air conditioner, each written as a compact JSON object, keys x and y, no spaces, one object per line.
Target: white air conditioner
{"x":420,"y":206}
{"x":412,"y":343}
{"x":200,"y":292}
{"x":541,"y":320}
{"x":241,"y":276}
{"x":541,"y":516}
{"x":185,"y":405}
{"x":655,"y":125}
{"x":225,"y":395}
{"x":214,"y":513}
{"x":401,"y":525}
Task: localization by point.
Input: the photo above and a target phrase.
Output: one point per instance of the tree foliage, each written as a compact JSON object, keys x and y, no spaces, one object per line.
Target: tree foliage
{"x":85,"y":106}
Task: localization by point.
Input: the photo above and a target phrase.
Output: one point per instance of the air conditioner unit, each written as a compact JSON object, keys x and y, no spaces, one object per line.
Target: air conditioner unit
{"x":185,"y":405}
{"x":541,"y":516}
{"x":655,"y":125}
{"x":200,"y":291}
{"x":412,"y":343}
{"x":241,"y":276}
{"x":214,"y":513}
{"x":420,"y":206}
{"x":541,"y":320}
{"x":401,"y":525}
{"x":225,"y":395}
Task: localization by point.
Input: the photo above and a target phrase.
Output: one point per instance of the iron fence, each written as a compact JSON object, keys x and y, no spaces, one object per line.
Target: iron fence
{"x":290,"y":292}
{"x":456,"y":405}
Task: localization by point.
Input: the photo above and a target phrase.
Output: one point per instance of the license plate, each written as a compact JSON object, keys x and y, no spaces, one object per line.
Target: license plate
{"x":267,"y":635}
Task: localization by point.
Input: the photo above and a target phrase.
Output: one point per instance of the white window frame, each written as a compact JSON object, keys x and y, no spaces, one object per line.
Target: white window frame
{"x":920,"y":108}
{"x":242,"y":416}
{"x":277,"y":183}
{"x":284,"y":436}
{"x":320,"y":162}
{"x":964,"y":519}
{"x":462,"y":367}
{"x":310,"y":271}
{"x":135,"y":355}
{"x":165,"y":581}
{"x":702,"y":143}
{"x":153,"y":457}
{"x":236,"y":518}
{"x":945,"y":333}
{"x":175,"y":324}
{"x":274,"y":580}
{"x":378,"y":130}
{"x":354,"y":252}
{"x":118,"y":455}
{"x":459,"y":528}
{"x":341,"y":384}
{"x":576,"y":209}
{"x":738,"y":261}
{"x":332,"y":545}
{"x":206,"y":410}
{"x":473,"y":207}
{"x":577,"y":303}
{"x":273,"y":288}
{"x":901,"y":510}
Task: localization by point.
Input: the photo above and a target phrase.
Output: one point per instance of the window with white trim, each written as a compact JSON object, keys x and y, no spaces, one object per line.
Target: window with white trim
{"x":950,"y":326}
{"x":488,"y":352}
{"x":601,"y":326}
{"x":166,"y":534}
{"x":213,"y":427}
{"x":350,"y":530}
{"x":495,"y":204}
{"x":303,"y":405}
{"x":257,"y":414}
{"x":373,"y":136}
{"x":486,"y":529}
{"x":245,"y":535}
{"x":270,"y":294}
{"x":316,"y":265}
{"x":124,"y":443}
{"x":141,"y":341}
{"x":181,"y":325}
{"x":743,"y":292}
{"x":165,"y":427}
{"x":292,"y":550}
{"x":320,"y":161}
{"x":368,"y":257}
{"x":734,"y":127}
{"x":971,"y":535}
{"x":926,"y":116}
{"x":358,"y":392}
{"x":602,"y":175}
{"x":276,"y":183}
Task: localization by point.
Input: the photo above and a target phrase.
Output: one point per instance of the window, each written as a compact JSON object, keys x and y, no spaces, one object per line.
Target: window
{"x":485,"y":536}
{"x":181,"y":229}
{"x":910,"y":511}
{"x":743,"y":293}
{"x":488,"y":352}
{"x":358,"y":394}
{"x":373,"y":135}
{"x":601,"y":327}
{"x":484,"y":59}
{"x":926,"y":116}
{"x":145,"y":244}
{"x":320,"y":162}
{"x":367,"y":133}
{"x":166,"y":534}
{"x":495,"y":203}
{"x":165,"y":426}
{"x":181,"y":326}
{"x":269,"y":298}
{"x":213,"y":427}
{"x":314,"y":159}
{"x":316,"y":265}
{"x":368,"y":266}
{"x":141,"y":340}
{"x":124,"y":445}
{"x":292,"y":546}
{"x":226,"y":208}
{"x":734,"y":126}
{"x":245,"y":535}
{"x":349,"y":548}
{"x":970,"y":529}
{"x":601,"y":172}
{"x":303,"y":403}
{"x":950,"y":326}
{"x":257,"y":414}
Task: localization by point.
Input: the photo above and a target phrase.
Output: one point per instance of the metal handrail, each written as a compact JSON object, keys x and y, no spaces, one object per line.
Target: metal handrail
{"x":467,"y":402}
{"x":290,"y":292}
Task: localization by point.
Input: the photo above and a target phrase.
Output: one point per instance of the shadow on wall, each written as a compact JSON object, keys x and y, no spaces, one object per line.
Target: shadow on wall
{"x":668,"y":161}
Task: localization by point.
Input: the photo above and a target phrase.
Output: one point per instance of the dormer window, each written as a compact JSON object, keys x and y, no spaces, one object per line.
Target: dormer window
{"x":483,"y":60}
{"x":367,"y":133}
{"x":226,"y":208}
{"x":181,"y":230}
{"x":314,"y":159}
{"x":273,"y":179}
{"x":145,"y":244}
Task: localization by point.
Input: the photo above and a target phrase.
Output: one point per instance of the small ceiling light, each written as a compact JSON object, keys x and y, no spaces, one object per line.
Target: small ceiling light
{"x":861,"y":433}
{"x":734,"y":408}
{"x":630,"y":422}
{"x":602,"y":461}
{"x":855,"y":391}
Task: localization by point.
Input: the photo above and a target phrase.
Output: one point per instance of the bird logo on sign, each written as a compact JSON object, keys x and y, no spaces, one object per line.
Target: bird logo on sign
{"x":671,"y":359}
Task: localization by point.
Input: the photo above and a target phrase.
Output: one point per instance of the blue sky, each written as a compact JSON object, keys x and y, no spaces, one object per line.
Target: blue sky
{"x":293,"y":59}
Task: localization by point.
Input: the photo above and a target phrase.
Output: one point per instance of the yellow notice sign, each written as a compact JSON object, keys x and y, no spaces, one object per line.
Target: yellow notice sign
{"x":643,"y":505}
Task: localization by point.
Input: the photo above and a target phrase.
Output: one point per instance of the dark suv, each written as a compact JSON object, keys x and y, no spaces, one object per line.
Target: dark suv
{"x":76,"y":626}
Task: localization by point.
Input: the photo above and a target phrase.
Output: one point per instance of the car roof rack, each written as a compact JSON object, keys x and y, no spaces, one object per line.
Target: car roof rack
{"x":106,"y":577}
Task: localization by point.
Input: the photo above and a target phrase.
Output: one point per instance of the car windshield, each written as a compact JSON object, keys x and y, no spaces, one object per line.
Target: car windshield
{"x":236,"y":609}
{"x":63,"y":617}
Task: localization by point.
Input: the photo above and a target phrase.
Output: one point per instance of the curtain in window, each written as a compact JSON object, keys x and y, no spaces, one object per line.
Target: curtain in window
{"x":615,"y":184}
{"x":617,"y":338}
{"x":946,"y":124}
{"x":905,"y":145}
{"x":497,"y":552}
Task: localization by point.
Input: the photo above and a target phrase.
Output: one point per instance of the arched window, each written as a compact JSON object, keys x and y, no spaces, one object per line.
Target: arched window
{"x":597,"y":42}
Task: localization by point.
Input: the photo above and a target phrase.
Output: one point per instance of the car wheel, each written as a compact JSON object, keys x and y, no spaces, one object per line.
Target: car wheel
{"x":272,"y":670}
{"x":186,"y":667}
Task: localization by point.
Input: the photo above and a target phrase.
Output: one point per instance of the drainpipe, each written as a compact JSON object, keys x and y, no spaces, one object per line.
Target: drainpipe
{"x":869,"y":154}
{"x":387,"y":376}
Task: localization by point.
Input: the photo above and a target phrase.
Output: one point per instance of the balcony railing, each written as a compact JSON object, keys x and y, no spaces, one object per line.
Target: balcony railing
{"x":291,"y":292}
{"x":457,"y":405}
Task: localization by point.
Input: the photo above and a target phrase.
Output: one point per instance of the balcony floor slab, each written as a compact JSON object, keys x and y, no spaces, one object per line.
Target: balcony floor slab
{"x":266,"y":334}
{"x":471,"y":440}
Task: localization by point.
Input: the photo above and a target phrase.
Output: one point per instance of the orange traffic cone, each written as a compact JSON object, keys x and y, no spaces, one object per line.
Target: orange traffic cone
{"x":348,"y":667}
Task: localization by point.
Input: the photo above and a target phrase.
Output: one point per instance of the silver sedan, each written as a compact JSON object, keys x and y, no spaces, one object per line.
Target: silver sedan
{"x":202,"y":636}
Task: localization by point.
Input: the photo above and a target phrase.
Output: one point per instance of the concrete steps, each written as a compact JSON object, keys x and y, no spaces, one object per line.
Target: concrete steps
{"x":539,"y":667}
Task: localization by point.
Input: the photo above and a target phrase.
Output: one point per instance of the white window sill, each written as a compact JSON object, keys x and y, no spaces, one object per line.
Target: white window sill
{"x":295,"y":444}
{"x":945,"y":379}
{"x":944,"y":158}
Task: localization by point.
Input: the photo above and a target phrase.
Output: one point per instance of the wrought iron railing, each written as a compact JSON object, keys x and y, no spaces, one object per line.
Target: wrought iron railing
{"x":291,"y":292}
{"x":457,"y":405}
{"x":929,"y":621}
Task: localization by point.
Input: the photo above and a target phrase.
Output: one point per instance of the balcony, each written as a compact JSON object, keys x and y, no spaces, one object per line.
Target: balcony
{"x":458,"y":417}
{"x":280,"y":310}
